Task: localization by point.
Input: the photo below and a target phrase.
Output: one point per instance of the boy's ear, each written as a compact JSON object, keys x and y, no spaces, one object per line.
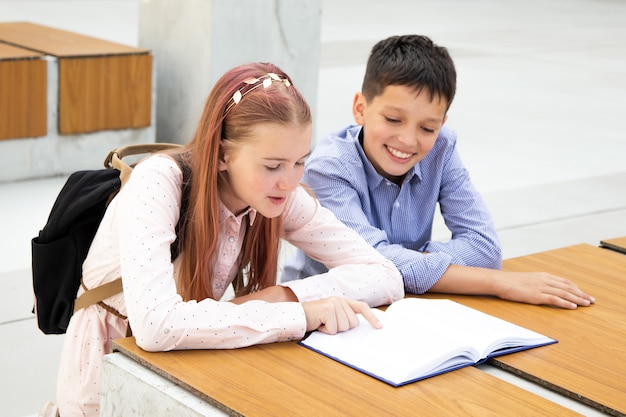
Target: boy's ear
{"x":358,"y":108}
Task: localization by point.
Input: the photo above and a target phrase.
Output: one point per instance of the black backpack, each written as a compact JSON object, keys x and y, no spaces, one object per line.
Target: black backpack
{"x":61,"y":247}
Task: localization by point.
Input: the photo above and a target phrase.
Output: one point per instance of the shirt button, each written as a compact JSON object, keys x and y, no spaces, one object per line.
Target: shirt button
{"x":166,"y":331}
{"x":231,"y":239}
{"x":396,"y":204}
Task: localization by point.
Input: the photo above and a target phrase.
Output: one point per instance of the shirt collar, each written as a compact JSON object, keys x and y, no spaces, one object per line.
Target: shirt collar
{"x":226,"y":214}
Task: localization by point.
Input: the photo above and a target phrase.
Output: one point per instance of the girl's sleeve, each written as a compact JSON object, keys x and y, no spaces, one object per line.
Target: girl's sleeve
{"x":148,"y":210}
{"x":356,"y":270}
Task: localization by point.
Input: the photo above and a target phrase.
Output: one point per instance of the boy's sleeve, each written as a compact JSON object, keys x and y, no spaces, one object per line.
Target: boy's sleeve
{"x":474,"y":240}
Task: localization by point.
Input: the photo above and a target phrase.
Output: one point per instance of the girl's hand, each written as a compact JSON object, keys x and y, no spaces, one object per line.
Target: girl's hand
{"x":336,"y":314}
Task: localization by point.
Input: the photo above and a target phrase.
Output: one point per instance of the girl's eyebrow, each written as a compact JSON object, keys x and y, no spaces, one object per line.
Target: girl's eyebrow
{"x":285,"y":159}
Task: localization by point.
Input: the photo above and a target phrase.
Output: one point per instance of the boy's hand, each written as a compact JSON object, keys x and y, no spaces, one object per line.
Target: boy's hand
{"x":542,"y":288}
{"x":336,"y":314}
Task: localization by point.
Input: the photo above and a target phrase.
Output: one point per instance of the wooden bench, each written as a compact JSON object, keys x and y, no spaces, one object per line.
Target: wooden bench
{"x":23,"y":86}
{"x":102,"y":85}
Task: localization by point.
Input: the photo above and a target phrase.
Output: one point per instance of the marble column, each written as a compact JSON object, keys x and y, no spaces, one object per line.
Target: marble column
{"x":195,"y":41}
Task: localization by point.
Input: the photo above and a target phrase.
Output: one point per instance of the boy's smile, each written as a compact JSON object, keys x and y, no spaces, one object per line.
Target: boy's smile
{"x":400,"y":127}
{"x":398,"y":154}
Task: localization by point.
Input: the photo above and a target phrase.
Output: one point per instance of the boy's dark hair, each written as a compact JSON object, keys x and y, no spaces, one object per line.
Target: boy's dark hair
{"x":413,"y":61}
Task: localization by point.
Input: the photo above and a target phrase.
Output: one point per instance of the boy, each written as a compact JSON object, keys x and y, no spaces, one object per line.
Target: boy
{"x":384,"y":176}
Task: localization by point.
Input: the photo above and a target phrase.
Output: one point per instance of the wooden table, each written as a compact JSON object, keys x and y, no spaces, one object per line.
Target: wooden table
{"x":617,"y":244}
{"x":287,"y":379}
{"x":589,"y":362}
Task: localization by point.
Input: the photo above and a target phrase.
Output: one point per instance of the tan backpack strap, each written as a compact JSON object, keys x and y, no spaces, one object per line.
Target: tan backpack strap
{"x":140,"y":148}
{"x":114,"y":158}
{"x":95,"y":295}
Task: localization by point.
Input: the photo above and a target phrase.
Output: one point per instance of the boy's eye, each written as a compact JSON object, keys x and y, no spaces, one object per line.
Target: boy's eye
{"x":427,"y":130}
{"x":272,"y":168}
{"x":391,"y":120}
{"x":300,"y":163}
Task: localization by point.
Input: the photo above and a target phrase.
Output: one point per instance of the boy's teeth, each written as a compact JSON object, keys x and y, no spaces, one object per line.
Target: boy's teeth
{"x":399,"y":154}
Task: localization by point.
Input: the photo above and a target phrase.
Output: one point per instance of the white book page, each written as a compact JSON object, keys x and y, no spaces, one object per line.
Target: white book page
{"x":484,"y":332}
{"x":397,"y":352}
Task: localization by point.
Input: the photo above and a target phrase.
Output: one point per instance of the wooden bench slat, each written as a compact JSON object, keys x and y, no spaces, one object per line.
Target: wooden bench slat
{"x":60,"y":43}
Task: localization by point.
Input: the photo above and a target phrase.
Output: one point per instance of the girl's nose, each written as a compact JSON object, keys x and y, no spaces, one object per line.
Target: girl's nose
{"x":290,"y":180}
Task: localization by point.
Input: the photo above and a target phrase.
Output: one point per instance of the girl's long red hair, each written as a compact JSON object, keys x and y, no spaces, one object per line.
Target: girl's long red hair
{"x":199,"y":228}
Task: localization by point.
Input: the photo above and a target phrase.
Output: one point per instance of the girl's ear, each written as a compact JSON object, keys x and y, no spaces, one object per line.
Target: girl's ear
{"x":358,"y":108}
{"x":222,"y":160}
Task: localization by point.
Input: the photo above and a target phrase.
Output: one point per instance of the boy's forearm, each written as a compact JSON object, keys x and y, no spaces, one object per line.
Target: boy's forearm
{"x":468,"y":280}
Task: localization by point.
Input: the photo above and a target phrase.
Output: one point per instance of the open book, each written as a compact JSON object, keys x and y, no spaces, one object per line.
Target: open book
{"x":421,"y":338}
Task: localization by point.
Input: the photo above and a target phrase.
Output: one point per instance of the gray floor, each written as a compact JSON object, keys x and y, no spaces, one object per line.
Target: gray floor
{"x":539,"y":111}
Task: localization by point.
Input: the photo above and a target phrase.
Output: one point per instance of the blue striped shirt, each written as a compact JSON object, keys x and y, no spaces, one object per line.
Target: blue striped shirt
{"x":398,"y":220}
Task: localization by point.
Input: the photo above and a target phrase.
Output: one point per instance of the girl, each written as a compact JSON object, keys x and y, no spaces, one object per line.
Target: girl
{"x":237,"y":182}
